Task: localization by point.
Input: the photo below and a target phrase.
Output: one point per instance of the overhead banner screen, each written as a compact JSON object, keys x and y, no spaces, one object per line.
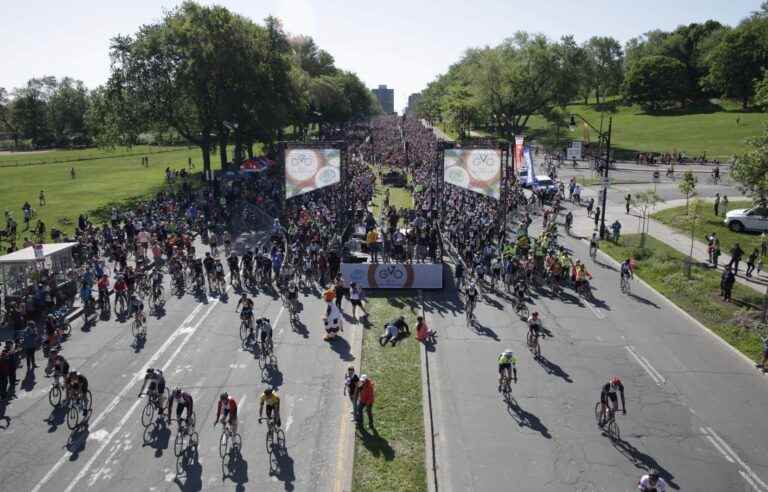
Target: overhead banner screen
{"x":311,"y":169}
{"x":478,"y":170}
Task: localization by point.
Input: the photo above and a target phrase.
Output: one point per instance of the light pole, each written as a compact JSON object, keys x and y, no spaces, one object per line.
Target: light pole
{"x":607,"y":137}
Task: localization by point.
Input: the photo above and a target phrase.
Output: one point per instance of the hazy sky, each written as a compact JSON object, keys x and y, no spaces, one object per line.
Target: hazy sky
{"x":401,"y":43}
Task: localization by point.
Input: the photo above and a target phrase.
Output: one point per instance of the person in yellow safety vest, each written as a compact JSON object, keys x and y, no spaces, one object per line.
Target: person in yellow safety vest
{"x":523,"y":243}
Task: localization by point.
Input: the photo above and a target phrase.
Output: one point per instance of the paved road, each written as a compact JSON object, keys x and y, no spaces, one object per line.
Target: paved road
{"x":196,"y":342}
{"x":695,"y":406}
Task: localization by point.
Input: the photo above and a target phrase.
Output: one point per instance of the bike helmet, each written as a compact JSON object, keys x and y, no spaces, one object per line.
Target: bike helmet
{"x":535,"y":314}
{"x":615,"y":381}
{"x":150,"y":371}
{"x":224,"y":396}
{"x":653,"y":476}
{"x":508,"y":353}
{"x":268,"y":391}
{"x":177,"y":391}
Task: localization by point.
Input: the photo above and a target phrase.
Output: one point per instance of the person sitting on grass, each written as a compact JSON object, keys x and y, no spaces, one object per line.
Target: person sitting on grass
{"x":390,"y":335}
{"x":423,"y":333}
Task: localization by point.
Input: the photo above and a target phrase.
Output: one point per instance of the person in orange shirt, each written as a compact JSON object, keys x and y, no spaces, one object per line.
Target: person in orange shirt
{"x":372,"y":240}
{"x":423,"y":333}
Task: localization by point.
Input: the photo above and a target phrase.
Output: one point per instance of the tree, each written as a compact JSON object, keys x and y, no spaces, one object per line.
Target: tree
{"x":645,"y":202}
{"x":606,"y":65}
{"x":29,"y":110}
{"x":761,"y":91}
{"x":67,"y":107}
{"x":6,"y":117}
{"x":739,"y":60}
{"x":750,"y":169}
{"x":688,"y":185}
{"x":656,"y":82}
{"x":311,"y":58}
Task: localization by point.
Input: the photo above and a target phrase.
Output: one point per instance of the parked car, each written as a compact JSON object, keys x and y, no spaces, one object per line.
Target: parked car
{"x":542,"y":183}
{"x":747,"y":219}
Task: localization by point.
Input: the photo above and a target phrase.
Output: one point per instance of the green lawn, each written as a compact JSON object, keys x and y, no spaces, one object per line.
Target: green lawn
{"x":99,"y":183}
{"x":392,"y":457}
{"x":61,"y":155}
{"x":398,"y":197}
{"x":662,"y":267}
{"x":676,"y":218}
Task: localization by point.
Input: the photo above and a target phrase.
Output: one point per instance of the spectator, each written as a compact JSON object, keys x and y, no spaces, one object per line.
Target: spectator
{"x":372,"y":243}
{"x":5,"y":373}
{"x":716,"y":205}
{"x":41,"y":198}
{"x":356,"y":298}
{"x":351,"y":381}
{"x":763,"y":244}
{"x":751,"y":260}
{"x":727,"y":279}
{"x":365,"y":398}
{"x":725,"y":205}
{"x":423,"y":333}
{"x":627,"y":202}
{"x":391,"y":335}
{"x":736,"y":254}
{"x":29,"y":342}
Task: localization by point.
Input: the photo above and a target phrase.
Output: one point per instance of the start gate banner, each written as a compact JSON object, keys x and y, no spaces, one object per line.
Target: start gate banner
{"x":393,"y":275}
{"x":310,"y":169}
{"x":478,"y":170}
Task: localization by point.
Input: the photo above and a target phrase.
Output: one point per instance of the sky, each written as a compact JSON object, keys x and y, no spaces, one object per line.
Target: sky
{"x":404,"y":44}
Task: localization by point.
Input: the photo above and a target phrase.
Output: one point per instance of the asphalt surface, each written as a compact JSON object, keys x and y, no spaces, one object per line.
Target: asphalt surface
{"x":197,"y":343}
{"x":695,"y":406}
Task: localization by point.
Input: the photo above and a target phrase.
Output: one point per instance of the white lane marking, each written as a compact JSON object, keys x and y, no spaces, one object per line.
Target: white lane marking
{"x":736,"y":457}
{"x":190,"y":331}
{"x":116,"y":400}
{"x":717,"y":445}
{"x":98,"y":435}
{"x":289,"y":418}
{"x":652,"y":372}
{"x":749,"y":480}
{"x":595,"y":310}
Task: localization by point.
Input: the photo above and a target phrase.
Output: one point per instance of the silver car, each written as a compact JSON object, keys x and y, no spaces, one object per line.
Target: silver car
{"x":747,"y":219}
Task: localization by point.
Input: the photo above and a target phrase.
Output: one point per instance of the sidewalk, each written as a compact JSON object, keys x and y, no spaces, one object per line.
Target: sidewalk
{"x":584,"y":226}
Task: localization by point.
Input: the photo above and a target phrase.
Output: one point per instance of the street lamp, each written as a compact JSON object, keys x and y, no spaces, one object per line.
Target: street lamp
{"x":603,"y":136}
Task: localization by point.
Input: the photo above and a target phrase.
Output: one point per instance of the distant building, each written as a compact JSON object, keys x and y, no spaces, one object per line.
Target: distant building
{"x":386,"y":98}
{"x":413,"y":100}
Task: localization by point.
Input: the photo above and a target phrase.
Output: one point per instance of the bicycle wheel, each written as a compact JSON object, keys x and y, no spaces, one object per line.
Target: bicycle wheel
{"x":147,"y":414}
{"x":88,"y":400}
{"x":536,"y":348}
{"x":523,"y":310}
{"x":223,"y":444}
{"x":54,"y":395}
{"x":66,"y":329}
{"x":180,"y":444}
{"x":237,"y":443}
{"x":598,"y":413}
{"x":243,"y":332}
{"x":73,"y":417}
{"x":613,"y":430}
{"x":529,"y":340}
{"x":270,"y":439}
{"x":135,"y":329}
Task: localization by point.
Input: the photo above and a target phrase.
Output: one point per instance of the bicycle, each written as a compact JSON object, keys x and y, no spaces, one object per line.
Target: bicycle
{"x":54,"y":394}
{"x":593,"y":251}
{"x":158,"y":297}
{"x":84,"y":404}
{"x":229,"y":442}
{"x":186,"y":436}
{"x":272,"y":433}
{"x":532,"y":340}
{"x":521,"y":309}
{"x":625,"y":284}
{"x":152,"y":406}
{"x":121,"y":304}
{"x":607,"y":423}
{"x":470,"y":311}
{"x":505,"y":388}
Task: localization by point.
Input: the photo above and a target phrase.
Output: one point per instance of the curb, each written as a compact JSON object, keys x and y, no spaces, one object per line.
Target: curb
{"x":681,"y":310}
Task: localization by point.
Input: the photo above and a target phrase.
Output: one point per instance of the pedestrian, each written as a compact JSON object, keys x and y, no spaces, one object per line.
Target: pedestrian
{"x":736,"y":254}
{"x":711,"y":241}
{"x":716,"y":205}
{"x":751,"y":260}
{"x":725,"y":205}
{"x":29,"y":342}
{"x":41,"y":198}
{"x":763,"y":244}
{"x":727,"y":279}
{"x":5,"y":373}
{"x":616,"y":228}
{"x":597,"y":216}
{"x":716,"y":253}
{"x":351,"y":380}
{"x":356,"y":298}
{"x":590,"y":206}
{"x":72,"y":172}
{"x":627,"y":202}
{"x":365,"y":398}
{"x":340,"y":290}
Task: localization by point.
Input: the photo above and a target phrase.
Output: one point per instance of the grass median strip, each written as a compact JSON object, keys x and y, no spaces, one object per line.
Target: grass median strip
{"x":662,"y":267}
{"x":391,"y":457}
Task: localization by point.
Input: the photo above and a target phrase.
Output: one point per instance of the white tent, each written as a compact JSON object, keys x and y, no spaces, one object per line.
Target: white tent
{"x":22,"y":268}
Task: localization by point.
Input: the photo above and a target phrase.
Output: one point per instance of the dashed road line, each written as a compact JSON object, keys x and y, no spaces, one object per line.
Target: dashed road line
{"x":652,"y":372}
{"x":729,"y":454}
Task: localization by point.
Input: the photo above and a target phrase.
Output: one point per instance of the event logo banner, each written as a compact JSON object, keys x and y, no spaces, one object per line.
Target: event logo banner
{"x":393,"y":275}
{"x":519,"y":163}
{"x":311,"y":169}
{"x":478,"y":170}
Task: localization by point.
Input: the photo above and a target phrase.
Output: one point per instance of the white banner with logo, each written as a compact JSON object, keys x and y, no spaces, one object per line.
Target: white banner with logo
{"x":393,"y":275}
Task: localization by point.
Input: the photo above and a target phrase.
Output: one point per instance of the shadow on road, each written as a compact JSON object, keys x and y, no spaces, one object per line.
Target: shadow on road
{"x":189,"y":468}
{"x":56,"y":418}
{"x":3,"y":416}
{"x":485,"y":331}
{"x":554,"y":369}
{"x":341,"y":347}
{"x":76,"y":441}
{"x":280,"y":462}
{"x":527,"y":419}
{"x":643,"y":300}
{"x":235,"y":467}
{"x":157,"y":436}
{"x":643,"y":461}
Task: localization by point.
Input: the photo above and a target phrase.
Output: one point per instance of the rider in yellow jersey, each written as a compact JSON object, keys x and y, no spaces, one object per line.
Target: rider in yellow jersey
{"x":272,"y":402}
{"x":507,"y":365}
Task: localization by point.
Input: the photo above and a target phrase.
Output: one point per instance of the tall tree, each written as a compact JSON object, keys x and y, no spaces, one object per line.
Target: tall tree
{"x":607,"y":61}
{"x":29,"y":110}
{"x":67,"y":107}
{"x":656,"y":82}
{"x":750,"y":169}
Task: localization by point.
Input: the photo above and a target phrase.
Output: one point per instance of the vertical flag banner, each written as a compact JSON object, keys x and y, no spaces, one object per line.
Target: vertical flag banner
{"x":310,"y":169}
{"x":530,"y":177}
{"x":519,"y":163}
{"x":477,"y":170}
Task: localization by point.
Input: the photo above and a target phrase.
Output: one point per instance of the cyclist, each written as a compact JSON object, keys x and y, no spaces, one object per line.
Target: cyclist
{"x":292,"y":294}
{"x":218,"y":270}
{"x":209,"y":263}
{"x":472,"y":294}
{"x":568,"y":220}
{"x":103,"y":286}
{"x":594,"y":245}
{"x":265,"y":331}
{"x":59,"y":365}
{"x":121,"y":289}
{"x":520,"y":289}
{"x":228,"y":408}
{"x":609,"y":392}
{"x":185,"y":403}
{"x":157,"y":281}
{"x":580,"y":275}
{"x":270,"y":399}
{"x":459,"y":274}
{"x":76,"y":386}
{"x":245,"y":306}
{"x":136,"y":306}
{"x":652,"y":482}
{"x":85,"y":294}
{"x":197,"y":268}
{"x":247,"y":264}
{"x":507,"y":366}
{"x":626,"y":269}
{"x":234,"y":265}
{"x":534,"y":325}
{"x":155,"y":379}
